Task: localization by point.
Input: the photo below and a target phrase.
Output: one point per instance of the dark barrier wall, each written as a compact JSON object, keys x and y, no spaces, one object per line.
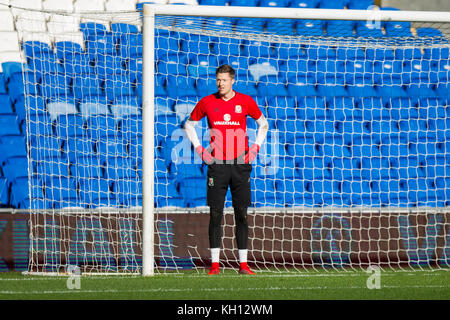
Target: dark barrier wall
{"x":314,"y":239}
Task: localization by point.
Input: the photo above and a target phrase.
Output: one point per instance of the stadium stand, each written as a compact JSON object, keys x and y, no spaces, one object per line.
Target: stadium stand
{"x":337,"y":115}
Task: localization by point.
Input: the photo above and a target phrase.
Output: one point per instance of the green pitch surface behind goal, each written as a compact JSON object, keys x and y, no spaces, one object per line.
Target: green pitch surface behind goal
{"x":352,"y":285}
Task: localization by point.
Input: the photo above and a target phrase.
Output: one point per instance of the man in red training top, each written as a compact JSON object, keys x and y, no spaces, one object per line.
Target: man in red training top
{"x":228,"y":157}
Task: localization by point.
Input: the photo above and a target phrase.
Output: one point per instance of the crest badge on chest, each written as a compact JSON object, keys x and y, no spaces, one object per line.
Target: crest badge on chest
{"x":238,"y":108}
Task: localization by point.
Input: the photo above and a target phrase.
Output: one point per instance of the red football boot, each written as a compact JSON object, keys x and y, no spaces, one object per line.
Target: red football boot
{"x":244,"y":269}
{"x":214,"y":268}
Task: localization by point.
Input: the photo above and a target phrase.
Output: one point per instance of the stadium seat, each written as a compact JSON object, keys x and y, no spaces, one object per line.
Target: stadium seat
{"x":9,"y":124}
{"x":213,"y":2}
{"x":70,"y":125}
{"x":202,"y":65}
{"x":255,"y":24}
{"x":15,"y":167}
{"x":368,"y":30}
{"x":428,"y":32}
{"x":332,"y":4}
{"x":243,"y":3}
{"x":116,"y":148}
{"x":340,"y":28}
{"x":20,"y":195}
{"x":206,"y":86}
{"x":94,"y":105}
{"x":108,"y":65}
{"x":359,"y":4}
{"x":181,"y":86}
{"x":131,"y":45}
{"x":128,"y":193}
{"x":36,"y":49}
{"x":124,"y":106}
{"x":78,"y":64}
{"x":398,"y":29}
{"x":119,"y":168}
{"x":117,"y":86}
{"x":61,"y":106}
{"x":55,"y":85}
{"x":131,"y":126}
{"x":223,"y":46}
{"x":95,"y":193}
{"x":304,"y":3}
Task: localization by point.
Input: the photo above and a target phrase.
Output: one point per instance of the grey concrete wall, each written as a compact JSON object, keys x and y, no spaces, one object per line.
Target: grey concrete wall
{"x":418,"y":5}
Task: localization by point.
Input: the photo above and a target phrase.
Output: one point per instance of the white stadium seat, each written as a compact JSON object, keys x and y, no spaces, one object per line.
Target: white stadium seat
{"x":88,"y":5}
{"x":7,"y":20}
{"x":58,"y":5}
{"x":9,"y":41}
{"x":120,"y":5}
{"x":31,"y":21}
{"x":63,"y":24}
{"x":29,"y":4}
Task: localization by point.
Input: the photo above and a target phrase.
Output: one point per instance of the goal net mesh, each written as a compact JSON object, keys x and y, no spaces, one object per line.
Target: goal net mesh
{"x":354,"y":171}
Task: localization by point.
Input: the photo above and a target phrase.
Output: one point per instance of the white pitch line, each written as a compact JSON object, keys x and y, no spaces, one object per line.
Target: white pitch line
{"x":259,"y":276}
{"x":165,"y":290}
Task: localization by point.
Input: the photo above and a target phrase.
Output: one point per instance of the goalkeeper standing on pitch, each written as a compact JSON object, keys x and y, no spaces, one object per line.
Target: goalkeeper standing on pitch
{"x":228,"y":158}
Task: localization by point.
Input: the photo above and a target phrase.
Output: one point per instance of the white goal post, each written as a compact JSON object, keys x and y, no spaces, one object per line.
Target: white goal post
{"x":151,"y":11}
{"x":355,"y":170}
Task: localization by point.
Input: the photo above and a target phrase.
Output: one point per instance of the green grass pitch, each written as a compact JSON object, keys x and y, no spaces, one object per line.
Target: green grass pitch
{"x":307,"y":285}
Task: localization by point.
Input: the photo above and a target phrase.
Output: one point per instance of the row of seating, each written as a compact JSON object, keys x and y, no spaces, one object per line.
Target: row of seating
{"x":92,"y":193}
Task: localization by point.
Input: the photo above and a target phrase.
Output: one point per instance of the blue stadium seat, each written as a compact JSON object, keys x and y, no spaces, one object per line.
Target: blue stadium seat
{"x":118,"y":29}
{"x":78,"y":64}
{"x":64,"y":191}
{"x":304,"y":3}
{"x":45,"y":63}
{"x":359,"y":4}
{"x":192,"y":43}
{"x":119,"y":85}
{"x":214,"y":2}
{"x":248,"y":88}
{"x":70,"y":125}
{"x":101,"y":44}
{"x":34,"y":49}
{"x":243,"y":3}
{"x":340,"y":28}
{"x":12,"y":146}
{"x":255,"y":24}
{"x":9,"y":124}
{"x":130,"y":45}
{"x":428,"y":32}
{"x":119,"y":168}
{"x":280,"y":26}
{"x":181,"y":86}
{"x":102,"y":127}
{"x":202,"y":65}
{"x":332,"y":4}
{"x":108,"y":65}
{"x":378,"y":54}
{"x":268,"y":86}
{"x":20,"y":196}
{"x":398,"y":29}
{"x":75,"y":148}
{"x":206,"y":86}
{"x":223,"y":46}
{"x":15,"y":167}
{"x":92,"y":29}
{"x":54,"y":85}
{"x":95,"y":193}
{"x":172,"y":66}
{"x":4,"y":192}
{"x":116,"y":148}
{"x":49,"y":170}
{"x":64,"y":49}
{"x":368,"y":30}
